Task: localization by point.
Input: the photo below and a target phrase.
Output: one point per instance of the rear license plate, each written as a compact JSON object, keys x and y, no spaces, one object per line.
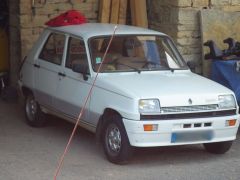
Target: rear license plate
{"x":178,"y":137}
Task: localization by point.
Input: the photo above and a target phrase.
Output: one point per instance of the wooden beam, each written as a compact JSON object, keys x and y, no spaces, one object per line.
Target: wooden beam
{"x":104,"y":11}
{"x":115,"y":11}
{"x":133,"y":13}
{"x":139,"y":13}
{"x":123,"y":12}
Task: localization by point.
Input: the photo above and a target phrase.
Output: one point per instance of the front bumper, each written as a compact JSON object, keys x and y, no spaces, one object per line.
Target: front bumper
{"x":181,"y":132}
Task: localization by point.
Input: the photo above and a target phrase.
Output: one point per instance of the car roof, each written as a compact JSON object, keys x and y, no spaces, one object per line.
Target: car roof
{"x":89,"y":30}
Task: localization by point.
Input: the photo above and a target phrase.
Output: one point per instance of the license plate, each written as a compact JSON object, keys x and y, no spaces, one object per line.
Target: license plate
{"x":178,"y":137}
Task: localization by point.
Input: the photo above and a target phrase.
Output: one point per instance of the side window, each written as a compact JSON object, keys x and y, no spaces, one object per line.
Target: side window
{"x":53,"y":49}
{"x":76,"y":53}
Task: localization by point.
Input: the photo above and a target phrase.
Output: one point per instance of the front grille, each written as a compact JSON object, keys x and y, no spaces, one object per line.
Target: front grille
{"x":189,"y":115}
{"x":211,"y":107}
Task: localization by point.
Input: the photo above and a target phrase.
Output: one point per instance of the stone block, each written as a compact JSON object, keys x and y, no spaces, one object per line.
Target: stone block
{"x":26,"y":21}
{"x":83,"y":6}
{"x":231,"y":8}
{"x":26,"y":7}
{"x":235,"y":2}
{"x":193,"y":34}
{"x":187,"y":15}
{"x":52,"y":8}
{"x":188,"y":27}
{"x":200,"y":3}
{"x":220,"y":2}
{"x":188,"y":41}
{"x":184,"y":3}
{"x":188,"y":50}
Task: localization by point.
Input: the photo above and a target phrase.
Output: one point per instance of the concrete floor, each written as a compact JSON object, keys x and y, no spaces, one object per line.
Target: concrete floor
{"x":27,"y":153}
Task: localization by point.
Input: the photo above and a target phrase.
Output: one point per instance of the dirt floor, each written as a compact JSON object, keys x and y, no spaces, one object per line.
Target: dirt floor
{"x":27,"y":153}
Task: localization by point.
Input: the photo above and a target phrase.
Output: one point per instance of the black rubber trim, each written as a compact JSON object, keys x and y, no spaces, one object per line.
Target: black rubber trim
{"x":189,"y":115}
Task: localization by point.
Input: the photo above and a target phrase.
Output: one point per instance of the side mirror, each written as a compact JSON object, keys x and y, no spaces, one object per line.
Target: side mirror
{"x":81,"y":68}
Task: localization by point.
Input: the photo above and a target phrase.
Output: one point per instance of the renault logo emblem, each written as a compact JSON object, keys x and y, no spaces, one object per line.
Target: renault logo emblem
{"x":190,"y":101}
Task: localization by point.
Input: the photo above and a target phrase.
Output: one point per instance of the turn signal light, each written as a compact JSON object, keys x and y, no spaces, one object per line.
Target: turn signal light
{"x":150,"y":127}
{"x":231,"y":122}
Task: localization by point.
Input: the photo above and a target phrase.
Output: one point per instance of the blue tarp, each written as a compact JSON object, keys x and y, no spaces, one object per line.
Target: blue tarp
{"x":224,"y":72}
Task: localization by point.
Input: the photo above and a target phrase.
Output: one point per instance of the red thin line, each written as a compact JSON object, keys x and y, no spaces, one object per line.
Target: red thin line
{"x":60,"y":162}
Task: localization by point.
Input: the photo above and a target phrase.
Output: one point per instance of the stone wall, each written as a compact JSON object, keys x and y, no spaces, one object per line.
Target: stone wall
{"x":27,"y":19}
{"x":180,"y":19}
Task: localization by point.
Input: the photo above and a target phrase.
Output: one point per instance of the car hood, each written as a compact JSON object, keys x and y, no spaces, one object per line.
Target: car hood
{"x":177,"y":88}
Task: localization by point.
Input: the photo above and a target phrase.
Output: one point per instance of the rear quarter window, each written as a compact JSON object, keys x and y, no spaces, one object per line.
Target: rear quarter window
{"x":53,"y":49}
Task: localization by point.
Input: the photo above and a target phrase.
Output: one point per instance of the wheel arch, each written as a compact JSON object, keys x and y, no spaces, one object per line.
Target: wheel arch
{"x":26,"y":91}
{"x":102,"y":121}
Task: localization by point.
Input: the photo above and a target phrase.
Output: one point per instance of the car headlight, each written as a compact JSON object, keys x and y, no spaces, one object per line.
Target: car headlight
{"x":226,"y":102}
{"x":149,"y":106}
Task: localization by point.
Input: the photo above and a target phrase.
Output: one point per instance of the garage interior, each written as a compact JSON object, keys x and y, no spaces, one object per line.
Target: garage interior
{"x":21,"y":23}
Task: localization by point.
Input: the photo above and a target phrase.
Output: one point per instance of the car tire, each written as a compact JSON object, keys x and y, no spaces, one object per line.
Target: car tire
{"x":218,"y":147}
{"x":34,"y":116}
{"x":115,"y":141}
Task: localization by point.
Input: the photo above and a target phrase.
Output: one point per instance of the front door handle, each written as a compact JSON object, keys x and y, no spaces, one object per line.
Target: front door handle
{"x":61,"y":74}
{"x":36,"y":65}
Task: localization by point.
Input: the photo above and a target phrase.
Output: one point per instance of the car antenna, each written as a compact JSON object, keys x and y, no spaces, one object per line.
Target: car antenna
{"x":60,"y":162}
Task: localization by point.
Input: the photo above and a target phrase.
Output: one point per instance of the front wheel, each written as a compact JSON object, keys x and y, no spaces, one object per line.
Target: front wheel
{"x":115,"y":141}
{"x":34,"y":116}
{"x":218,"y":147}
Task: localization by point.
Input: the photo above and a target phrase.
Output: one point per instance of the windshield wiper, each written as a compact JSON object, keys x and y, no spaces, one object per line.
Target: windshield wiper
{"x":172,"y":70}
{"x":136,"y":69}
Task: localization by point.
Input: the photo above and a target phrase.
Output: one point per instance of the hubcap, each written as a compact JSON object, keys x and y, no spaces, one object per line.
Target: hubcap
{"x":114,"y":138}
{"x":31,"y":108}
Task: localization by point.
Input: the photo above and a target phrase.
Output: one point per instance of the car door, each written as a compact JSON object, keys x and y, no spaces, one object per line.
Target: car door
{"x":73,"y":88}
{"x":47,"y":65}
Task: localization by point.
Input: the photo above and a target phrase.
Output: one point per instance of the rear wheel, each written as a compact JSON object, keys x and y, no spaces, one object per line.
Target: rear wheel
{"x":115,"y":141}
{"x":218,"y":147}
{"x":34,"y":116}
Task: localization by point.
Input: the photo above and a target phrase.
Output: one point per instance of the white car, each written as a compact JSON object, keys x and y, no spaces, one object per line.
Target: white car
{"x":145,"y":95}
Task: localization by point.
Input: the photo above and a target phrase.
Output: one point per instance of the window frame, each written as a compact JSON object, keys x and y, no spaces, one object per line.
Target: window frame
{"x":44,"y":45}
{"x":171,"y":43}
{"x":67,"y":52}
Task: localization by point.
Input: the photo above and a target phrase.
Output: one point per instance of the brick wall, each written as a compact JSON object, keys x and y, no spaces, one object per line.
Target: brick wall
{"x":180,"y":19}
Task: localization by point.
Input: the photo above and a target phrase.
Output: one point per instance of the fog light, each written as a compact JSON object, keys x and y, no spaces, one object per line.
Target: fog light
{"x":231,"y":122}
{"x":150,"y":127}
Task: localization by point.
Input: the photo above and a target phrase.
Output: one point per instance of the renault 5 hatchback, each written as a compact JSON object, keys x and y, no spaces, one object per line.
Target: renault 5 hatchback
{"x":145,"y":95}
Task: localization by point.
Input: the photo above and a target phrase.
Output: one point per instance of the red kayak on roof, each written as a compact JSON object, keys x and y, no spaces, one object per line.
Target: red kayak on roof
{"x":71,"y":17}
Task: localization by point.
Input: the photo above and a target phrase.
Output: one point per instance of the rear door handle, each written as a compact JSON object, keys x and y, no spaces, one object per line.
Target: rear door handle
{"x":36,"y":65}
{"x":61,"y":74}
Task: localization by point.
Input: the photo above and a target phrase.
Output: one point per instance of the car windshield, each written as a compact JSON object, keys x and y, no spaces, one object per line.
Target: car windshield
{"x":135,"y":53}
